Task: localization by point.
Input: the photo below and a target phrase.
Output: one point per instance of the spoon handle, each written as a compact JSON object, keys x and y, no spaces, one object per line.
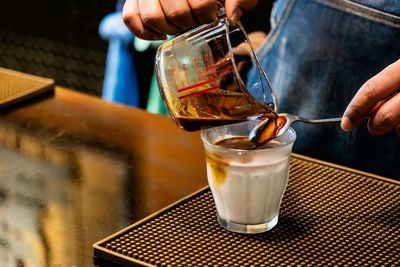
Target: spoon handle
{"x":330,"y":120}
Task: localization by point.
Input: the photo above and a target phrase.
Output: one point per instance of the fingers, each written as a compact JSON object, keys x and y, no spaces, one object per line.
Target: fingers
{"x":236,"y":8}
{"x":132,"y":19}
{"x":257,"y":38}
{"x":378,"y":88}
{"x":206,"y":11}
{"x":242,"y":49}
{"x":386,"y":118}
{"x":178,"y":12}
{"x":153,"y":17}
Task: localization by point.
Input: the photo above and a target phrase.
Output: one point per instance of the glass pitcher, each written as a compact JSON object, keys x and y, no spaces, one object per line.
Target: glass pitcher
{"x":202,"y":77}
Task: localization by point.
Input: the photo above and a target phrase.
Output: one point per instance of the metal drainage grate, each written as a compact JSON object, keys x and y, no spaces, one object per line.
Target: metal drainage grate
{"x":329,"y":216}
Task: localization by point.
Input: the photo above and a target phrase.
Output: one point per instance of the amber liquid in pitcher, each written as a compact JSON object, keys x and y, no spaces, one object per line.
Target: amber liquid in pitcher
{"x":231,"y":107}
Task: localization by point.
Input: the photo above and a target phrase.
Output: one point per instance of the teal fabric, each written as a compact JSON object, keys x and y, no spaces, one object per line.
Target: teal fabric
{"x":155,"y":103}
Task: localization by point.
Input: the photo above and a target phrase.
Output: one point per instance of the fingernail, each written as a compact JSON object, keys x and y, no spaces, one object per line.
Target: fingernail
{"x":233,"y":20}
{"x":346,"y":124}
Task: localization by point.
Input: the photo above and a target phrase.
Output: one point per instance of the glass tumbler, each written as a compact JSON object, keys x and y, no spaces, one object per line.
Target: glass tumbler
{"x":247,"y":184}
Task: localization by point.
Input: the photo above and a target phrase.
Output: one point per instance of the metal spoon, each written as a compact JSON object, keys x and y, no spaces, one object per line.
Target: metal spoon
{"x":286,"y":119}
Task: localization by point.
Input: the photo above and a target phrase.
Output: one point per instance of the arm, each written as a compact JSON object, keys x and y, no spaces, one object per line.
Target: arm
{"x":153,"y":19}
{"x":378,"y":101}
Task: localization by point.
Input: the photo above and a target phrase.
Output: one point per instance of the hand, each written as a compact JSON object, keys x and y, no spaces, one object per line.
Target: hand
{"x":378,"y":101}
{"x":256,"y":39}
{"x":242,"y":53}
{"x":154,"y":19}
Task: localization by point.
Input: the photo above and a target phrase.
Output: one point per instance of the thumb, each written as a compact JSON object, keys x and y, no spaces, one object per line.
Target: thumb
{"x":236,"y":8}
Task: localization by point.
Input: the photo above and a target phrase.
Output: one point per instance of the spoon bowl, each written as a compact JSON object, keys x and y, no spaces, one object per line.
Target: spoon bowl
{"x":269,"y":129}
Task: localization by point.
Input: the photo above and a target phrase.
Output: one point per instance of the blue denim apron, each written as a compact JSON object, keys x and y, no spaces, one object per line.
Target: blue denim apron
{"x":318,"y":54}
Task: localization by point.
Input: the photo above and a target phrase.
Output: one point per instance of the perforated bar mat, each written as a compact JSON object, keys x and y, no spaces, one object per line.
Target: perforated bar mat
{"x":17,"y":86}
{"x":329,"y":216}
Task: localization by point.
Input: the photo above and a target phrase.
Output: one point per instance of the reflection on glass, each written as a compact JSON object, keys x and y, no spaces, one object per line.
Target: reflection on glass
{"x":55,"y":199}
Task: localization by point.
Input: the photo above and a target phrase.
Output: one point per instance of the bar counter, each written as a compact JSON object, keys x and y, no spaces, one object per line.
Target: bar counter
{"x":75,"y":169}
{"x":81,"y":177}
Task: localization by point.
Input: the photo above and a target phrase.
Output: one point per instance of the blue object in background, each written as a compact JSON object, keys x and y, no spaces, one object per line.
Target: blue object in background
{"x":120,"y":80}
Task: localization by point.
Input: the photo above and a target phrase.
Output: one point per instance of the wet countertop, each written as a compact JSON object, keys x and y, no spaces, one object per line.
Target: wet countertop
{"x":75,"y":169}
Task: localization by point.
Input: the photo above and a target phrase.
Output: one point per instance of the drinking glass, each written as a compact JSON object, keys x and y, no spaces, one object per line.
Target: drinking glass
{"x":247,"y":185}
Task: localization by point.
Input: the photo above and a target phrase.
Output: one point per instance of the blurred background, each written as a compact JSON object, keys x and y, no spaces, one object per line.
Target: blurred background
{"x":59,"y":189}
{"x":61,"y":40}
